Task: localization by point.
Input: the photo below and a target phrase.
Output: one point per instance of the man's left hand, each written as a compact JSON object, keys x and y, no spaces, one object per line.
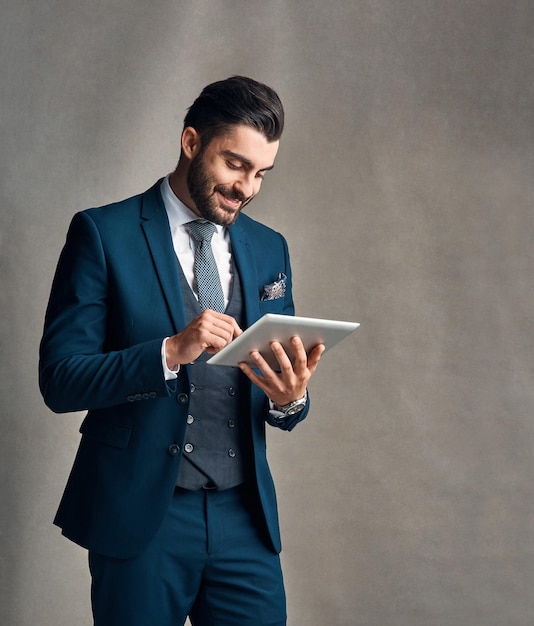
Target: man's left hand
{"x":289,"y":384}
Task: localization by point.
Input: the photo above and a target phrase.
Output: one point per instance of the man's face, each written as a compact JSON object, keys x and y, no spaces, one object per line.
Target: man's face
{"x":226,"y":174}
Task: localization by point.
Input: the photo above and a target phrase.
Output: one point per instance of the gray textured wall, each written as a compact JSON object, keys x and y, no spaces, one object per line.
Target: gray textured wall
{"x":405,"y":187}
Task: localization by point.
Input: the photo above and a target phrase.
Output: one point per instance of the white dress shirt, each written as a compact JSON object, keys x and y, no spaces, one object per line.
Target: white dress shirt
{"x":184,"y":247}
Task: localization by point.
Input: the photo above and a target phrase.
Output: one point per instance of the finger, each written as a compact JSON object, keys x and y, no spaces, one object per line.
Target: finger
{"x":270,"y":387}
{"x":213,"y":322}
{"x":300,"y":362}
{"x":261,"y":364}
{"x":249,"y":372}
{"x":236,"y":328}
{"x":217,"y":340}
{"x":281,"y":383}
{"x":221,"y":320}
{"x":282,"y":357}
{"x":315,"y":356}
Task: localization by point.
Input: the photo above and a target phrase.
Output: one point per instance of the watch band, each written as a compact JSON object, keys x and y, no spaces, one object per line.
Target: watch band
{"x":292,"y":407}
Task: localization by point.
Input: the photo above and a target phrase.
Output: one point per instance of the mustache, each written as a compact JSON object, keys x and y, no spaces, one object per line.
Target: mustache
{"x":232,"y":194}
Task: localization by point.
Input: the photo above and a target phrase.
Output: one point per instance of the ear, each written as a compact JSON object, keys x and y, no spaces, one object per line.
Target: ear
{"x":190,"y":142}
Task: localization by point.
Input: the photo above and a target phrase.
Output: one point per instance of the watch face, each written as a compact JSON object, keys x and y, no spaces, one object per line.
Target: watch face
{"x":295,"y":408}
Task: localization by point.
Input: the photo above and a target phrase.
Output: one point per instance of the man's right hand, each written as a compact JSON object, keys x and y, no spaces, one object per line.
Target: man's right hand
{"x":209,"y":332}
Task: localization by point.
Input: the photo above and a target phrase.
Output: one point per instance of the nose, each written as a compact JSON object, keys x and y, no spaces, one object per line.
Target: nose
{"x":248,"y":185}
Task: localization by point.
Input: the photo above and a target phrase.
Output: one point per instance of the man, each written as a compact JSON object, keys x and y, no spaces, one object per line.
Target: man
{"x":170,"y":490}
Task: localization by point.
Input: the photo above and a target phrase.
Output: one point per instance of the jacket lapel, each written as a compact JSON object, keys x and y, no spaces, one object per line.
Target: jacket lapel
{"x":246,"y":265}
{"x":155,"y":225}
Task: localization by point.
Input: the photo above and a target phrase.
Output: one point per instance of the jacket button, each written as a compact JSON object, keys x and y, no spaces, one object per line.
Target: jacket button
{"x":182,"y":398}
{"x":231,"y":391}
{"x":174,"y":449}
{"x":231,"y":423}
{"x":231,"y":453}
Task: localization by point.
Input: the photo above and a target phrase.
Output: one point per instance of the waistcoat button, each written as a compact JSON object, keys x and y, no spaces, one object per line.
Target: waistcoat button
{"x":231,"y":453}
{"x":231,"y":423}
{"x":190,"y":419}
{"x":188,"y":447}
{"x":231,"y":391}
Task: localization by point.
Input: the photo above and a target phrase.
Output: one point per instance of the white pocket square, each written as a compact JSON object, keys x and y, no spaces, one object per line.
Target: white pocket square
{"x":275,"y":290}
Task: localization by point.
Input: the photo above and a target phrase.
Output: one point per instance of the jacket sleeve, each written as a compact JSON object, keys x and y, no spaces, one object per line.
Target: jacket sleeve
{"x":289,"y":422}
{"x":76,"y":369}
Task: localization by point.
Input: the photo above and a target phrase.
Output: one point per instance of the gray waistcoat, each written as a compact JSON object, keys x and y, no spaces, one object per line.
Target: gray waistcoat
{"x":217,"y":436}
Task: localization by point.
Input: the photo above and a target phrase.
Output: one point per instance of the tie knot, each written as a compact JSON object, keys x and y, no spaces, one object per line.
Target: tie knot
{"x":201,"y":231}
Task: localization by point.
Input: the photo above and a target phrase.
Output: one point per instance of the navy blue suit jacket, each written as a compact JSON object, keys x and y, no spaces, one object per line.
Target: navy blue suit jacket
{"x":115,"y":296}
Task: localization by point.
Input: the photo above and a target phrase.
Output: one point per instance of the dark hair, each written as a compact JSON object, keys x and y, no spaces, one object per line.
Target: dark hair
{"x":236,"y":100}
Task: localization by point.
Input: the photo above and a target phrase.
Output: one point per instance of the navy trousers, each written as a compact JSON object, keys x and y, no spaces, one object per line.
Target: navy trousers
{"x":209,"y":560}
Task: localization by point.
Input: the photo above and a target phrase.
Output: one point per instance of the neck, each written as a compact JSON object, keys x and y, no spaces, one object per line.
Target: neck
{"x":178,"y":183}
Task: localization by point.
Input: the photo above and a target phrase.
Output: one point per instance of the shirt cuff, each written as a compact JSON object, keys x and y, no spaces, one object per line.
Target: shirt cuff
{"x":277,"y":415}
{"x":170,"y":374}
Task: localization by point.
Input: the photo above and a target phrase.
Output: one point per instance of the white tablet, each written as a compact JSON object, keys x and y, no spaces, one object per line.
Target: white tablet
{"x":272,"y":327}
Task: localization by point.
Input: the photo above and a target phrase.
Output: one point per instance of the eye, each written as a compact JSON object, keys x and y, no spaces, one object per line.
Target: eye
{"x":233,"y":166}
{"x":260,"y":175}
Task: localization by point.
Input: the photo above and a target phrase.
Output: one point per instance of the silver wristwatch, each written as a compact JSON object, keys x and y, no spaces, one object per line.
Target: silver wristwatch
{"x":292,"y":407}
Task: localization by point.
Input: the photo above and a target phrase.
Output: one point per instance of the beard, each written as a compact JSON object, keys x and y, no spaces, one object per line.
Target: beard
{"x":203,"y":192}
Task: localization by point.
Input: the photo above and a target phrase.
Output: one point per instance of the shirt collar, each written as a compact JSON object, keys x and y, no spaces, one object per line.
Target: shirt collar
{"x":177,"y":212}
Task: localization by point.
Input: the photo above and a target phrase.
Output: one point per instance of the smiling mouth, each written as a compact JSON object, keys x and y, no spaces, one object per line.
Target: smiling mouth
{"x":232,"y":200}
